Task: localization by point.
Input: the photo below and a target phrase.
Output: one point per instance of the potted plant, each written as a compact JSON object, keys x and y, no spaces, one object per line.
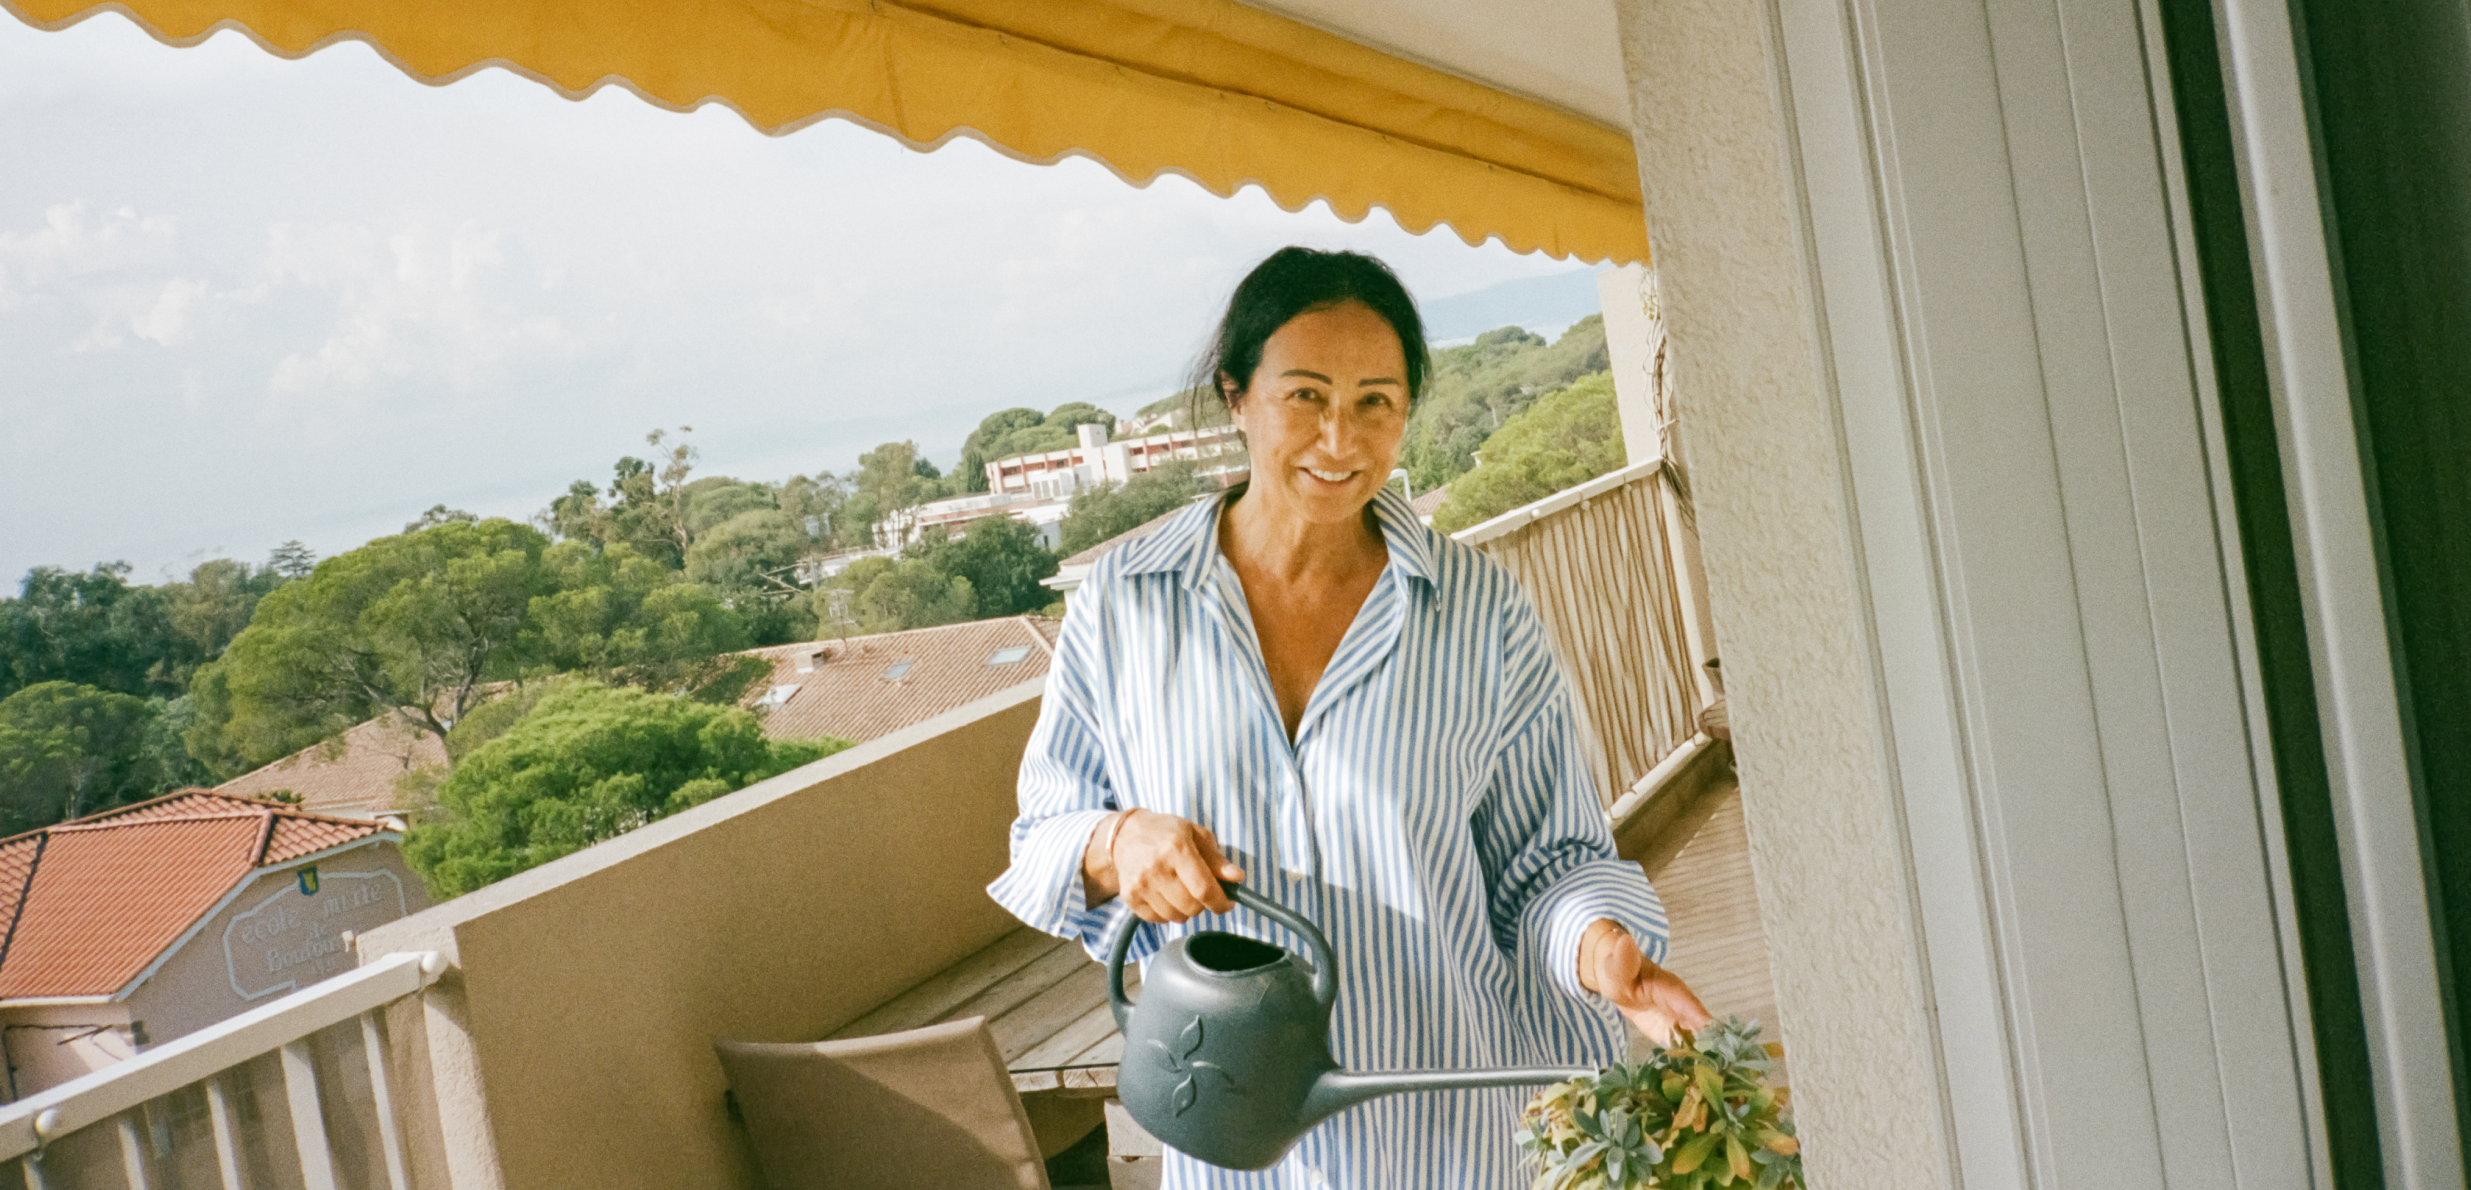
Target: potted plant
{"x":1694,"y":1115}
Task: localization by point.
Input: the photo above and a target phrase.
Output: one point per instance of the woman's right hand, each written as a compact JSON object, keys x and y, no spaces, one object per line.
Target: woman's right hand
{"x":1167,"y":868}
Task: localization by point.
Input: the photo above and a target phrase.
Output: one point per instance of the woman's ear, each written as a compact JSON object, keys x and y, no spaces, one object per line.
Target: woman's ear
{"x":1229,"y":394}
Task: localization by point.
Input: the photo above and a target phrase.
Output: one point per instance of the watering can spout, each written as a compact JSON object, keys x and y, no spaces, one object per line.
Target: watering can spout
{"x":1337,"y":1090}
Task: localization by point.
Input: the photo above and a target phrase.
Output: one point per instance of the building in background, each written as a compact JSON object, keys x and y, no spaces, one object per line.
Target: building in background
{"x":131,"y":928}
{"x":353,"y":775}
{"x":861,"y":688}
{"x":1095,"y":460}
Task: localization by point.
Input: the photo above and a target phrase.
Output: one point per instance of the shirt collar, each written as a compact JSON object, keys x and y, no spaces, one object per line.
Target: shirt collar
{"x":1187,"y":544}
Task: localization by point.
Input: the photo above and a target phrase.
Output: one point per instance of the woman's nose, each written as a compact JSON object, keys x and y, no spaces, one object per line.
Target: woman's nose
{"x":1338,"y":430}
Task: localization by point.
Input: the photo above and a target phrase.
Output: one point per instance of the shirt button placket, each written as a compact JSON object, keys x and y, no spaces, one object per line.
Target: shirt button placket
{"x":1298,"y":855}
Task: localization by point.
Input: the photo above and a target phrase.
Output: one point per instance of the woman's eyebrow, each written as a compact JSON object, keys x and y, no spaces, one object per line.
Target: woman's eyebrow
{"x":1307,"y":375}
{"x":1377,"y":380}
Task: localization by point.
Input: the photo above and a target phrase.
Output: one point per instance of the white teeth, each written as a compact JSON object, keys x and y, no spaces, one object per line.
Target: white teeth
{"x":1332,"y":476}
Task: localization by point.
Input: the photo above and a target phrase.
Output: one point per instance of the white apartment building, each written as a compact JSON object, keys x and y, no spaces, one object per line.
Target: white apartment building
{"x":1095,"y":460}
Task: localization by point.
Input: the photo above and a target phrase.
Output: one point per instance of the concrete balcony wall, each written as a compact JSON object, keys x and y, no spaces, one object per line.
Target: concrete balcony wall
{"x":571,"y":1043}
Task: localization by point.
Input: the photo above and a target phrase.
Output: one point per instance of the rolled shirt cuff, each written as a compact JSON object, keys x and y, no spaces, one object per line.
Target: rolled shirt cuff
{"x":1612,"y":890}
{"x":1043,"y":886}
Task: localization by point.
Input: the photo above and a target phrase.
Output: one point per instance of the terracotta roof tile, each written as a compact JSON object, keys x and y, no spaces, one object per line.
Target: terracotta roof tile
{"x":104,"y":895}
{"x":356,"y":777}
{"x":16,"y":869}
{"x":863,"y":687}
{"x":106,"y":900}
{"x":296,"y":837}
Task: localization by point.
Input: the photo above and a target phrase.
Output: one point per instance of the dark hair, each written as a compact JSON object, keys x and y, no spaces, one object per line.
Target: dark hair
{"x":1291,"y":282}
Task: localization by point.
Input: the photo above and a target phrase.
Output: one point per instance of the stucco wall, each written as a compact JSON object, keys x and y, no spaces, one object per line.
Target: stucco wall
{"x":272,"y":939}
{"x":571,"y":1043}
{"x":1773,"y":525}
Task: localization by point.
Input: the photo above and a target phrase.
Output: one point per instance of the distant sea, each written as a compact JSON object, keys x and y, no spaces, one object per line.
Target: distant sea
{"x":1542,"y":305}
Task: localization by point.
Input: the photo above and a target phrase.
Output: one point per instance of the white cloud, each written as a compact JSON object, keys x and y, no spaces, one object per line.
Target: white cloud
{"x":419,"y":303}
{"x":73,"y":247}
{"x":166,"y":322}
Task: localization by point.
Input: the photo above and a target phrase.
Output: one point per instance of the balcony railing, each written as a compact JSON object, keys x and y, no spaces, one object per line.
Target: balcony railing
{"x":1608,"y":564}
{"x":569,"y":1039}
{"x":58,"y":1139}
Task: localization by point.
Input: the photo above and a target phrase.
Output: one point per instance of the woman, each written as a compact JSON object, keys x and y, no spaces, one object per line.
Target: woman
{"x":1297,"y":686}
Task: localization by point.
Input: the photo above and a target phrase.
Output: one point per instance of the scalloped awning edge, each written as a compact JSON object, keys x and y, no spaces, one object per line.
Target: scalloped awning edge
{"x":1209,"y":90}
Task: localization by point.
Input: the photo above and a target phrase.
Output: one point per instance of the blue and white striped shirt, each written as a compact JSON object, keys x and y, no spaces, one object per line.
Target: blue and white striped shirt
{"x":1433,"y":817}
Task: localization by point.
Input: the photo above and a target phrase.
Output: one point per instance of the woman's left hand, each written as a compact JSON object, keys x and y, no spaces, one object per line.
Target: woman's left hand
{"x":1654,"y":999}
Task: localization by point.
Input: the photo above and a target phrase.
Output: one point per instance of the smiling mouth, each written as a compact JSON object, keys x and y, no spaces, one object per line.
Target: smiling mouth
{"x":1330,"y":476}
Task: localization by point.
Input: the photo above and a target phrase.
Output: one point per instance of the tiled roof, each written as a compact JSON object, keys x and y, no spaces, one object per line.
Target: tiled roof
{"x":353,"y":776}
{"x":90,"y":903}
{"x":1426,"y":505}
{"x":863,"y":687}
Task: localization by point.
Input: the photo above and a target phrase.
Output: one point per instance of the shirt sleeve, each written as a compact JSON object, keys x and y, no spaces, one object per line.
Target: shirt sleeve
{"x":1065,"y":793}
{"x":1542,"y":833}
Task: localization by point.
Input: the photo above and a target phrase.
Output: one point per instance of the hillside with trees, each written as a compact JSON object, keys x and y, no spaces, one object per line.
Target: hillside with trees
{"x":637,"y":587}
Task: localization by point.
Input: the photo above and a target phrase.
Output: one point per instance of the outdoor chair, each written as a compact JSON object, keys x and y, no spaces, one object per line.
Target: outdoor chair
{"x":932,"y":1107}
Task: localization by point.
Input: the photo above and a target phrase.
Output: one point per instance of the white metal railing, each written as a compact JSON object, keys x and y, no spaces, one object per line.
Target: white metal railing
{"x":30,"y":1126}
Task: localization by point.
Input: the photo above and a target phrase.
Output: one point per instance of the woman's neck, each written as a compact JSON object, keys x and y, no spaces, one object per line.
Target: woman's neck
{"x":1277,"y":544}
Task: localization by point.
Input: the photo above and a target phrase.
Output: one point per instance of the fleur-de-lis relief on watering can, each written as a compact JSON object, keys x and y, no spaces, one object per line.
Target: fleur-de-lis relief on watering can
{"x":1233,"y":1038}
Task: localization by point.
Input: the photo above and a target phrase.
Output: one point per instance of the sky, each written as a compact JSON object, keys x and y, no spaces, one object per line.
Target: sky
{"x":245,"y":300}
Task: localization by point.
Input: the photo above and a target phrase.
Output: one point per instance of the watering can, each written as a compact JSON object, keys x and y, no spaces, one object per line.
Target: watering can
{"x":1227,"y":1056}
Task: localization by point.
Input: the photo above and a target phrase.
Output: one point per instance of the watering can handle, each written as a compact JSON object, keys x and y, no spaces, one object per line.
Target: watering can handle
{"x":1325,"y":963}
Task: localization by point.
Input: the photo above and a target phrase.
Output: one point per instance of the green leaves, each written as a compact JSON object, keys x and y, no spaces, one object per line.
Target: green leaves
{"x":416,"y":623}
{"x":889,"y":595}
{"x":1699,"y":1114}
{"x":1565,"y":439}
{"x":586,"y":763}
{"x":68,"y":750}
{"x":1478,"y":389}
{"x":1104,"y":511}
{"x":1001,"y":558}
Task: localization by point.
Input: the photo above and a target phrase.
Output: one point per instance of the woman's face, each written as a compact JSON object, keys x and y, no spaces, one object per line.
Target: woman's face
{"x":1325,"y":413}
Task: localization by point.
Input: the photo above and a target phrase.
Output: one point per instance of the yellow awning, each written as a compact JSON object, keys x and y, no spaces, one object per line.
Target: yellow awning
{"x":1221,"y":93}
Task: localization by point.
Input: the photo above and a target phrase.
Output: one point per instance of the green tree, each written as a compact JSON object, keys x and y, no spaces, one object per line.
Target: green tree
{"x":1012,"y":432}
{"x":1562,"y":441}
{"x":746,"y":555}
{"x":817,"y":504}
{"x":68,"y":750}
{"x":890,"y":595}
{"x":618,"y":615}
{"x":749,"y":561}
{"x":97,"y":629}
{"x":578,"y":515}
{"x":1477,"y":388}
{"x":646,"y":508}
{"x":1002,"y":559}
{"x":1102,"y":512}
{"x":94,"y":629}
{"x":1065,"y":417}
{"x":987,"y":441}
{"x":888,"y":481}
{"x":585,"y":764}
{"x":440,"y":514}
{"x":207,"y":612}
{"x":715,"y":499}
{"x":415,"y":624}
{"x":292,"y":560}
